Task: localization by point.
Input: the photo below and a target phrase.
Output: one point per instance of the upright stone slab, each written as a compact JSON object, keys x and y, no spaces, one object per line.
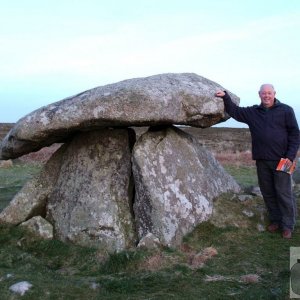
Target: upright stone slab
{"x":176,"y":181}
{"x":90,"y":205}
{"x":31,"y":200}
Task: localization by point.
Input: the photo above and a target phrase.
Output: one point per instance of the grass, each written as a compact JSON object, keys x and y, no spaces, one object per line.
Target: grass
{"x":12,"y":179}
{"x":65,"y":271}
{"x":244,"y":175}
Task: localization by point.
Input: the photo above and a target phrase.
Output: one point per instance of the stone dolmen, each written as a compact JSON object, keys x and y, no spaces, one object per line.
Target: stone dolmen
{"x":106,"y":188}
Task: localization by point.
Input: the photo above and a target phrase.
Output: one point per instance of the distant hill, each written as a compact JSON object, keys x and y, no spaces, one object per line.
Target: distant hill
{"x":218,"y":139}
{"x":4,"y":129}
{"x":214,"y":138}
{"x":223,"y":138}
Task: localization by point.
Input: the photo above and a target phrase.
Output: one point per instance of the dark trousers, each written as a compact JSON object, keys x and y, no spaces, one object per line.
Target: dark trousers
{"x":276,"y":188}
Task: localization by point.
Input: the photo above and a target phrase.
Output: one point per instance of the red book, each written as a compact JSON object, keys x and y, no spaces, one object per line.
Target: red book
{"x":287,"y":166}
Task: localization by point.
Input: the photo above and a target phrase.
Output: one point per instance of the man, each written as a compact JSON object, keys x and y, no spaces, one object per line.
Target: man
{"x":275,"y":135}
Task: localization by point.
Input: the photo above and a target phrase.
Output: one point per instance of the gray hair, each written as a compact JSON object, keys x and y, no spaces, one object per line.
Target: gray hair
{"x":267,"y":85}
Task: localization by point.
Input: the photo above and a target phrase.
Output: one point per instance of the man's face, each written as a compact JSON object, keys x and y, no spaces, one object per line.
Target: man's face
{"x":267,"y":96}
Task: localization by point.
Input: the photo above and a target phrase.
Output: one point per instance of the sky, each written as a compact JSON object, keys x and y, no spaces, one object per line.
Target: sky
{"x":50,"y":50}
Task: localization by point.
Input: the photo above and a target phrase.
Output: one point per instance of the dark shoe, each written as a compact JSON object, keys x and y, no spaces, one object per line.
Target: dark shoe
{"x":287,"y":234}
{"x":273,"y":227}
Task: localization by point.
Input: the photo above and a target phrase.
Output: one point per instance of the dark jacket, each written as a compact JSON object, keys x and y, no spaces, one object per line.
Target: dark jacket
{"x":274,"y":131}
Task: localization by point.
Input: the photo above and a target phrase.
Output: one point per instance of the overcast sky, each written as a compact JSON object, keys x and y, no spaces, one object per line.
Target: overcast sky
{"x":50,"y":50}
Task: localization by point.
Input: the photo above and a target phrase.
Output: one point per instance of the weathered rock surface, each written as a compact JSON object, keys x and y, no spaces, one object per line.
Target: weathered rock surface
{"x":31,"y":200}
{"x":20,"y":287}
{"x":90,"y":204}
{"x":149,"y":241}
{"x":39,"y":226}
{"x":176,"y":180}
{"x":166,"y":99}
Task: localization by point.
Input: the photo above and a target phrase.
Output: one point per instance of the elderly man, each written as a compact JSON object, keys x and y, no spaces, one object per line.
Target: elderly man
{"x":275,"y":135}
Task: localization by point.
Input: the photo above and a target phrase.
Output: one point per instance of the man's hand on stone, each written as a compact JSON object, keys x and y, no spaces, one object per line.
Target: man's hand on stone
{"x":220,"y":94}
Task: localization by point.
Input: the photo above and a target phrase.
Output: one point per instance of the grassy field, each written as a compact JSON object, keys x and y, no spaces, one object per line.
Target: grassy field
{"x":13,"y":178}
{"x":61,"y":271}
